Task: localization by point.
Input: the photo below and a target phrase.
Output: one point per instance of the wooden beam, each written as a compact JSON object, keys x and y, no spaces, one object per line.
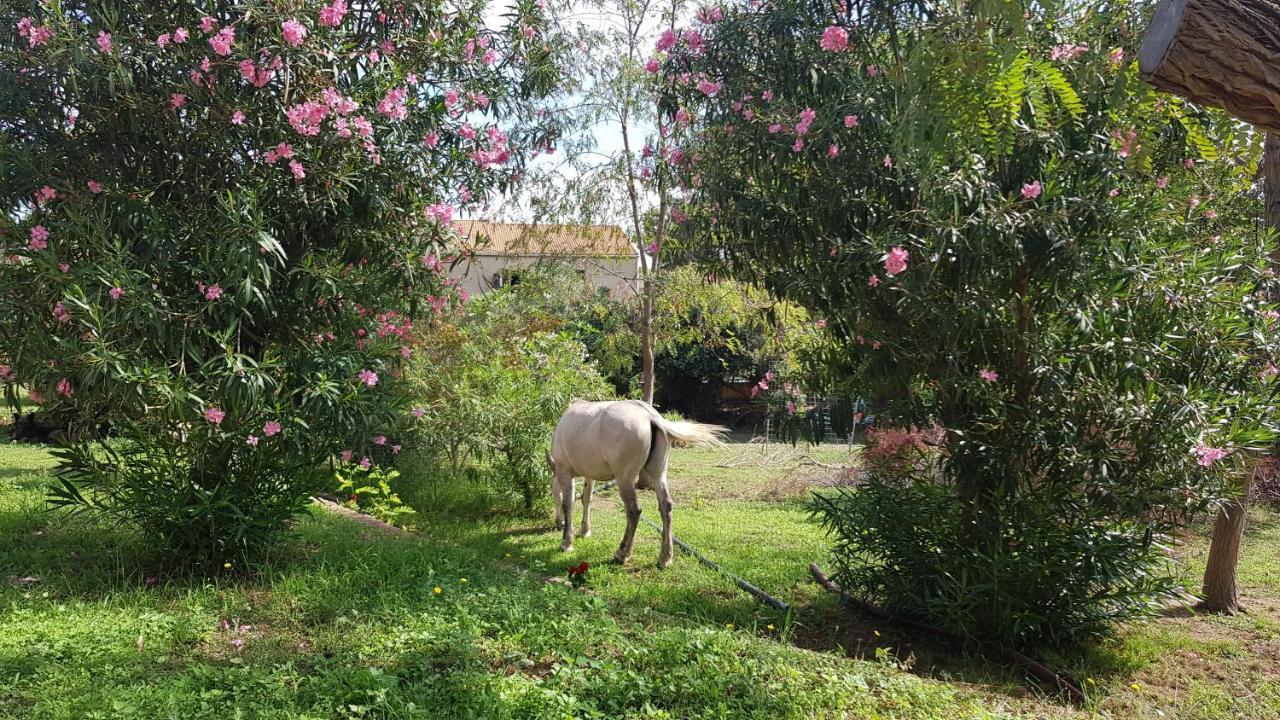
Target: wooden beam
{"x":1223,"y":53}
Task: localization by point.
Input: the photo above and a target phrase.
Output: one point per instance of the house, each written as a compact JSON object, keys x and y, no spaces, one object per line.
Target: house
{"x":495,"y":253}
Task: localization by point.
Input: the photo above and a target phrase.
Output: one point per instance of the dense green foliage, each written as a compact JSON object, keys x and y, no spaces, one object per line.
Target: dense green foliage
{"x":220,"y":221}
{"x":1012,"y":237}
{"x":493,"y":387}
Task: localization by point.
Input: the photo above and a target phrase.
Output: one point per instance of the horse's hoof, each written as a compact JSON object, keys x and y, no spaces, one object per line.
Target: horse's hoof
{"x":566,"y":547}
{"x":664,"y":563}
{"x":584,"y":534}
{"x":620,"y":559}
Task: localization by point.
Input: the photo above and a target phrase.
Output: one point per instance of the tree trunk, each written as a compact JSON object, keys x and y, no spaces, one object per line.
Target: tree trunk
{"x":646,"y":340}
{"x":1217,"y":52}
{"x":1220,"y":592}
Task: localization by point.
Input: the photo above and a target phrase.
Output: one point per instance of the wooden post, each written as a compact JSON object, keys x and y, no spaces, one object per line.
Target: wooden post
{"x":1223,"y":53}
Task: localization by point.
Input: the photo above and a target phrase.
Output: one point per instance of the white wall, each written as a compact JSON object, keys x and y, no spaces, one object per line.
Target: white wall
{"x":615,"y":274}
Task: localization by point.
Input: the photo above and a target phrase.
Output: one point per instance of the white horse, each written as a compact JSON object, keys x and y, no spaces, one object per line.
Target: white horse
{"x":627,"y":441}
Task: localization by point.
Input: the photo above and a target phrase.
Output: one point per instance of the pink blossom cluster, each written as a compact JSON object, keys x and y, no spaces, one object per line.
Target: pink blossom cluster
{"x":257,"y":75}
{"x":305,"y":118}
{"x":498,"y":152}
{"x":221,"y":43}
{"x":1067,"y":52}
{"x":36,"y":35}
{"x":710,"y":15}
{"x":1207,"y":455}
{"x":332,"y":14}
{"x":895,"y":261}
{"x":294,"y":32}
{"x":834,"y":39}
{"x":393,"y":105}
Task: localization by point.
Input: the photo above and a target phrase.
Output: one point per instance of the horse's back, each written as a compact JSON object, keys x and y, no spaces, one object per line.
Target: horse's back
{"x":600,"y":439}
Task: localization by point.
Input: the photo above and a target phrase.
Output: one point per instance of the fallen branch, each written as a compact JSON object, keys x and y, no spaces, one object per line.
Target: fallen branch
{"x":759,"y":594}
{"x":1037,"y":670}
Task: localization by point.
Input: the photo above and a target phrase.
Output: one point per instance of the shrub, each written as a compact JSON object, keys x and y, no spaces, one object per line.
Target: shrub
{"x":497,"y":396}
{"x":220,"y":222}
{"x":1008,"y":235}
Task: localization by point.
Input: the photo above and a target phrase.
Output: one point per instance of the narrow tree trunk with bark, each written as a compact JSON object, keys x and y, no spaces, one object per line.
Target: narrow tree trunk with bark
{"x":1217,"y":52}
{"x":646,"y":340}
{"x":1220,"y":591}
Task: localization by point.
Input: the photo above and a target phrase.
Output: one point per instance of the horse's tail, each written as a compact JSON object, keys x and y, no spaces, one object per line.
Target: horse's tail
{"x":683,"y":432}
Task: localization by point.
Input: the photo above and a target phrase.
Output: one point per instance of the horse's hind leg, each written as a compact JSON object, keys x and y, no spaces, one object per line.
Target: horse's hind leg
{"x":565,"y":483}
{"x":665,"y":505}
{"x":585,"y":531}
{"x":627,"y":491}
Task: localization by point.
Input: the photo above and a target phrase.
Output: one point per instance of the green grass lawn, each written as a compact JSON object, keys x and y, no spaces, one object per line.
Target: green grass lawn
{"x":346,"y":621}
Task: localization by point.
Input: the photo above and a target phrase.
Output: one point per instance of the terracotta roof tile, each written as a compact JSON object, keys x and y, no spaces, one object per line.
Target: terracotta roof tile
{"x":491,"y":238}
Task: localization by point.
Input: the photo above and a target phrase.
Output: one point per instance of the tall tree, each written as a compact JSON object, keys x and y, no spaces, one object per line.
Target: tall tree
{"x":1220,"y":592}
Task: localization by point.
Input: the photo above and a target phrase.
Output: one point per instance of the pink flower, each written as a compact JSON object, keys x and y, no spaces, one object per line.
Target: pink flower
{"x":6,"y":373}
{"x":988,"y":374}
{"x":39,"y":238}
{"x":1268,"y":372}
{"x":1195,"y":201}
{"x":368,"y":377}
{"x":294,"y":32}
{"x":104,"y":41}
{"x":798,"y":145}
{"x":1207,"y":455}
{"x":331,"y":15}
{"x":666,"y":40}
{"x":63,"y":267}
{"x":35,"y":397}
{"x":1031,"y":190}
{"x":214,"y":415}
{"x":221,"y":43}
{"x":180,"y":36}
{"x":116,"y":292}
{"x":213,"y":292}
{"x":431,"y":139}
{"x":207,"y":24}
{"x":651,"y":66}
{"x":347,"y":455}
{"x":237,"y":118}
{"x":708,"y":88}
{"x":36,"y":35}
{"x":775,"y":128}
{"x":163,"y":40}
{"x":64,"y":387}
{"x":60,"y":312}
{"x":850,"y":121}
{"x":1116,"y":56}
{"x":833,"y":150}
{"x":95,"y":187}
{"x":872,"y":71}
{"x":1067,"y":52}
{"x":895,"y":261}
{"x":395,"y":449}
{"x":1189,"y":163}
{"x":251,"y":441}
{"x":379,"y":439}
{"x":1163,"y":182}
{"x":888,"y":161}
{"x":365,"y":463}
{"x":1113,"y":192}
{"x":418,"y":412}
{"x":820,"y":323}
{"x":834,"y":39}
{"x":270,"y":428}
{"x":177,"y":100}
{"x":874,"y":281}
{"x":295,"y":167}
